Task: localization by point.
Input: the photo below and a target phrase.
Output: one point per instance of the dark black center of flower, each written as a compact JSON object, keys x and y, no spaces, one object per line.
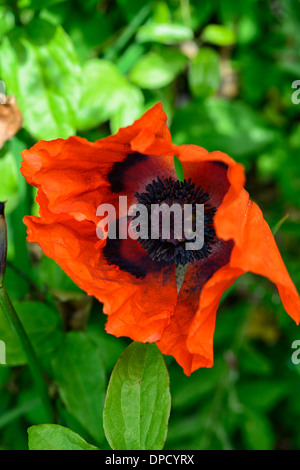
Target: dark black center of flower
{"x":172,"y":248}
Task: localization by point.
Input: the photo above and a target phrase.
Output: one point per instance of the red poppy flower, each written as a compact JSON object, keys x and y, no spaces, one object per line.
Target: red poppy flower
{"x":136,"y":281}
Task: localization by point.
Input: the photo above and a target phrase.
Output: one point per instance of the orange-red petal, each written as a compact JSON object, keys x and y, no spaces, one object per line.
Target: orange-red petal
{"x":174,"y":340}
{"x":215,"y":172}
{"x":137,"y":308}
{"x":73,"y":177}
{"x":256,"y":251}
{"x":74,"y":173}
{"x":189,"y":337}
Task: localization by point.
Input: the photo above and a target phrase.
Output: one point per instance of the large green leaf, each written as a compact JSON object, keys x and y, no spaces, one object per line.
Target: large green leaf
{"x":131,"y":108}
{"x":79,"y":372}
{"x":40,"y":67}
{"x":55,"y":437}
{"x":42,"y":325}
{"x":138,"y":400}
{"x":107,"y":93}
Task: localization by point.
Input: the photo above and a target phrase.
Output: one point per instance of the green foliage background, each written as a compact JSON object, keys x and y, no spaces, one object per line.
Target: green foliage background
{"x":223,"y":70}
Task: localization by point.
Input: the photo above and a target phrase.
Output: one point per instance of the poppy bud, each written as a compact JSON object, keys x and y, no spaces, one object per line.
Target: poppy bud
{"x":3,"y":242}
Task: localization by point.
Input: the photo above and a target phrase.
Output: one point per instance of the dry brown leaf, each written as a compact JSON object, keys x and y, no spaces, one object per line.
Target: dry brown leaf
{"x":10,"y":119}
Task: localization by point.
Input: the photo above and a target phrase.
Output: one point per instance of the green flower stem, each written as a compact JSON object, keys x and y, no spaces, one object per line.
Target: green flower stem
{"x":8,"y":310}
{"x":34,"y":365}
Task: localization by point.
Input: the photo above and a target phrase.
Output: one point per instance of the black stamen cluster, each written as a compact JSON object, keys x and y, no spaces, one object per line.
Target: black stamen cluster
{"x":181,"y":192}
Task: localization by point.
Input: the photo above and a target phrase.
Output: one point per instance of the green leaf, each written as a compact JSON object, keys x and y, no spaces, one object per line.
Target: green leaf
{"x":155,"y":70}
{"x":79,"y":372}
{"x":40,"y":67}
{"x":151,"y":72}
{"x":164,"y":33}
{"x":55,"y":437}
{"x":131,"y":108}
{"x":42,"y":325}
{"x":219,"y":35}
{"x":204,"y":73}
{"x":106,"y":93}
{"x":138,"y":400}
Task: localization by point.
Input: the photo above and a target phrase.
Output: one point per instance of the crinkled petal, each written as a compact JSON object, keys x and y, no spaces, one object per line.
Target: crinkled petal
{"x":239,"y":221}
{"x":137,"y":308}
{"x":174,"y":340}
{"x":215,"y":172}
{"x":76,"y":175}
{"x":202,"y":328}
{"x":73,"y":178}
{"x":256,"y":251}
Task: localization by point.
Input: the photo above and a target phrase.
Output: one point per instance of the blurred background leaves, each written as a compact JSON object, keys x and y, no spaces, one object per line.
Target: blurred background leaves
{"x":223,"y":71}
